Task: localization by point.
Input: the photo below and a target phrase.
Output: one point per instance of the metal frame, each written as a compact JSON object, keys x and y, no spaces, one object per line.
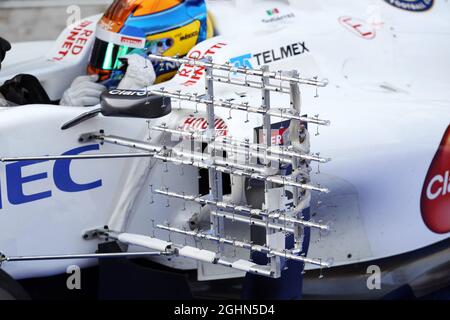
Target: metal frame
{"x":280,"y":220}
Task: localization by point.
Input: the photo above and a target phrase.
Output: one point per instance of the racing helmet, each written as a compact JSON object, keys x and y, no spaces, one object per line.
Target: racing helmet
{"x":162,"y":27}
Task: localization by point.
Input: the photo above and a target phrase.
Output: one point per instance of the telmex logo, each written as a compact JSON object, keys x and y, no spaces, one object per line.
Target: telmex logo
{"x":412,"y":5}
{"x":270,"y":56}
{"x":62,"y":179}
{"x":435,"y":199}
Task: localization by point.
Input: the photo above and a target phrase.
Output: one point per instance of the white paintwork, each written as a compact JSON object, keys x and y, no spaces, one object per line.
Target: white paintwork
{"x":44,"y":60}
{"x":22,"y":52}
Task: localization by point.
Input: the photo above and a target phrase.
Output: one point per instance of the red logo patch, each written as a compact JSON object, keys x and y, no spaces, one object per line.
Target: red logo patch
{"x":201,"y":124}
{"x":75,"y":41}
{"x":131,"y":41}
{"x":435,"y":199}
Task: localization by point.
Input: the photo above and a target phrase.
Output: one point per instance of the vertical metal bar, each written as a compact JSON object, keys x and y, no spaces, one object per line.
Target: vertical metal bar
{"x":266,"y":105}
{"x":295,"y":125}
{"x":275,"y":262}
{"x":295,"y":98}
{"x":215,"y":177}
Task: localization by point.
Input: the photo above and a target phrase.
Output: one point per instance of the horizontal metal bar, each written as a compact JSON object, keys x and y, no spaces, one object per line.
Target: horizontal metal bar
{"x":251,"y":153}
{"x":219,"y":161}
{"x":293,"y":154}
{"x":250,"y":84}
{"x":225,"y":142}
{"x":279,"y":150}
{"x":254,"y":269}
{"x":125,"y":142}
{"x":247,"y":210}
{"x":226,"y":167}
{"x":241,"y":244}
{"x":182,"y":251}
{"x":281,"y":180}
{"x":229,"y":68}
{"x":190,"y":134}
{"x":221,"y":146}
{"x":78,"y":256}
{"x":279,"y":154}
{"x":79,"y":157}
{"x":275,"y":112}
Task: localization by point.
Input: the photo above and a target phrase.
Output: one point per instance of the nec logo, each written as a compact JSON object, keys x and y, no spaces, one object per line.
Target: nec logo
{"x":435,"y":199}
{"x":16,"y":179}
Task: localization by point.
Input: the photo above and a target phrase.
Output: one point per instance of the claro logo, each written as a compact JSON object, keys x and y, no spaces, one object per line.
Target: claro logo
{"x":435,"y":199}
{"x":19,"y":178}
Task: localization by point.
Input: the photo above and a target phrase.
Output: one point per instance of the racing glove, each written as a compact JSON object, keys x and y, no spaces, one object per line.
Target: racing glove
{"x":83,"y":92}
{"x":139,"y":74}
{"x":5,"y":46}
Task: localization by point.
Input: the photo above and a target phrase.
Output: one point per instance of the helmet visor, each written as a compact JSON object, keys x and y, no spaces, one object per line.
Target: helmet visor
{"x":106,"y":55}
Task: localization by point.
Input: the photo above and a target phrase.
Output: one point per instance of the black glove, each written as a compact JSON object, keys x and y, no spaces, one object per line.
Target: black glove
{"x":24,"y":89}
{"x":4,"y":47}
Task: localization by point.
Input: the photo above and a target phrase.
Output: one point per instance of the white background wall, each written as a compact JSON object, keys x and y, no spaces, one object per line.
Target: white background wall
{"x":27,"y":20}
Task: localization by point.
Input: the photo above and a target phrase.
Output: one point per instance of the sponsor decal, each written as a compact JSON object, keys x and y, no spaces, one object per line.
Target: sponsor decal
{"x":131,"y":41}
{"x":194,"y":73}
{"x":121,"y":39}
{"x":242,"y":61}
{"x":276,"y":16}
{"x":62,"y":180}
{"x":272,"y":12}
{"x":358,"y":27}
{"x":412,"y":5}
{"x":270,"y":56}
{"x":194,"y":124}
{"x":279,"y":136}
{"x":189,"y":35}
{"x":75,"y":40}
{"x":435,"y":198}
{"x":162,"y":67}
{"x":280,"y":133}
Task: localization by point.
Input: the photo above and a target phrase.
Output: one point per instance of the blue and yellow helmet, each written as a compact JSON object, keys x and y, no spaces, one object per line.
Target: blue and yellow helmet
{"x":163,"y":27}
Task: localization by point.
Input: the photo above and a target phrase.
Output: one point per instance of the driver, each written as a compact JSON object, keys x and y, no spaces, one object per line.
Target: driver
{"x":129,"y":31}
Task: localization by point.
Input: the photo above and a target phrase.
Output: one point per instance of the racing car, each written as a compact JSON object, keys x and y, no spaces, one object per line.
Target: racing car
{"x":367,"y":84}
